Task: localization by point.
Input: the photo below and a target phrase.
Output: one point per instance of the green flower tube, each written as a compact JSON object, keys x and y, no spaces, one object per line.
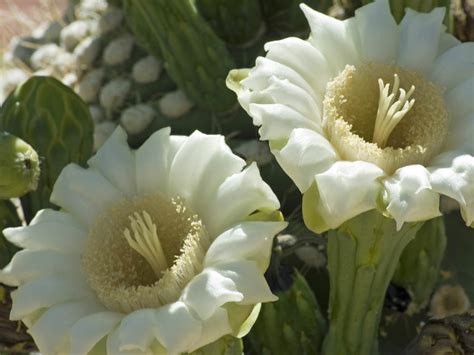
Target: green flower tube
{"x":362,"y":257}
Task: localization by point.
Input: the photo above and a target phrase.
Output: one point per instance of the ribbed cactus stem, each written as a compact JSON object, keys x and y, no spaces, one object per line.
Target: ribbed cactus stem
{"x":238,"y":22}
{"x":420,"y":263}
{"x":362,"y":256}
{"x":194,"y":56}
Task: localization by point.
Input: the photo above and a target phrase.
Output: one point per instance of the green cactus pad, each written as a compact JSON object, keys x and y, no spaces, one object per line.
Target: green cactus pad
{"x":195,"y":57}
{"x":55,"y":121}
{"x":19,"y":167}
{"x":237,"y":22}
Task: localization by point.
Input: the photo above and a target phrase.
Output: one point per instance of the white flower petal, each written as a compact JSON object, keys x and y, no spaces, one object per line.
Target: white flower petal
{"x":152,"y":163}
{"x":419,"y":39}
{"x":303,"y":58}
{"x":238,"y":196}
{"x":279,"y":120}
{"x":176,"y":328}
{"x":259,"y":77}
{"x":248,"y":280}
{"x":453,"y":176}
{"x":51,"y":331}
{"x":28,"y":264}
{"x":89,"y":330}
{"x":378,"y":32}
{"x":454,"y":66}
{"x":332,"y":38}
{"x":137,"y":331}
{"x":459,"y":100}
{"x":283,"y":92}
{"x":200,"y":166}
{"x":245,"y":241}
{"x":113,"y":345}
{"x":51,"y":235}
{"x":213,"y":328}
{"x":116,"y":162}
{"x":49,"y":215}
{"x":446,"y":42}
{"x":84,"y":193}
{"x":410,"y":196}
{"x":461,"y":134}
{"x":344,"y":191}
{"x":46,"y":292}
{"x":306,"y":154}
{"x":208,"y":291}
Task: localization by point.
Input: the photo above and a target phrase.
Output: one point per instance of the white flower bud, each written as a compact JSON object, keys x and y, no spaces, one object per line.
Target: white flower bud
{"x":89,"y":87}
{"x":73,"y":33}
{"x":146,"y":70}
{"x":119,"y":50}
{"x":45,"y":56}
{"x":10,"y":80}
{"x":136,"y":118}
{"x":175,"y":104}
{"x":111,"y":20}
{"x":86,"y":51}
{"x":102,"y":131}
{"x":97,"y":113}
{"x":113,"y":94}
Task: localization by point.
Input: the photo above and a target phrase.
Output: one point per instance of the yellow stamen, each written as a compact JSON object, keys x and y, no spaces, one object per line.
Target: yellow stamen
{"x":389,"y":114}
{"x":146,"y":241}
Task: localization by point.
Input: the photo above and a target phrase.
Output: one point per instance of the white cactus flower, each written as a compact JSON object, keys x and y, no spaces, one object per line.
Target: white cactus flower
{"x":114,"y":93}
{"x":87,"y":51}
{"x":368,"y":114}
{"x":89,"y":86}
{"x":136,"y":118}
{"x":146,"y":70}
{"x":110,"y":20}
{"x":102,"y":132}
{"x":175,"y":104}
{"x":73,"y":33}
{"x":119,"y":50}
{"x":152,"y":250}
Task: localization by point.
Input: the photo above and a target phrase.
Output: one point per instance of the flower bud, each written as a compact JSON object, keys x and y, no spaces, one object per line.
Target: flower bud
{"x":114,"y":93}
{"x":86,"y":51}
{"x":73,"y":33}
{"x":146,"y":70}
{"x":89,"y":87}
{"x":19,"y":167}
{"x":175,"y":104}
{"x":119,"y":50}
{"x":136,"y":118}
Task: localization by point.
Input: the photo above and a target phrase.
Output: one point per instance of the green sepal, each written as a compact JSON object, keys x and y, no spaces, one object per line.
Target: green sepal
{"x":292,"y":325}
{"x":195,"y":57}
{"x":235,"y":21}
{"x":8,"y":218}
{"x":420,"y":264}
{"x":19,"y":167}
{"x":57,"y":124}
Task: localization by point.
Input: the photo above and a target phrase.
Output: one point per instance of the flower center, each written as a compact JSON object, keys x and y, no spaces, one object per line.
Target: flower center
{"x":142,"y":252}
{"x":367,"y":119}
{"x":388,"y":114}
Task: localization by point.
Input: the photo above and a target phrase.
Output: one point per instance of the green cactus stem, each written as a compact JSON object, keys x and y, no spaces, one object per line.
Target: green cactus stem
{"x":285,"y":16}
{"x":362,"y":257}
{"x":55,"y":121}
{"x":227,"y":345}
{"x":420,"y":263}
{"x":8,"y":218}
{"x":195,"y":57}
{"x":237,"y":22}
{"x":19,"y":167}
{"x":292,"y":325}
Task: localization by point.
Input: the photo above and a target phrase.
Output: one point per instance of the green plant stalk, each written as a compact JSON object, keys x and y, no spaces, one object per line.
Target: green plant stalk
{"x":420,"y":263}
{"x":196,"y":59}
{"x":362,"y":256}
